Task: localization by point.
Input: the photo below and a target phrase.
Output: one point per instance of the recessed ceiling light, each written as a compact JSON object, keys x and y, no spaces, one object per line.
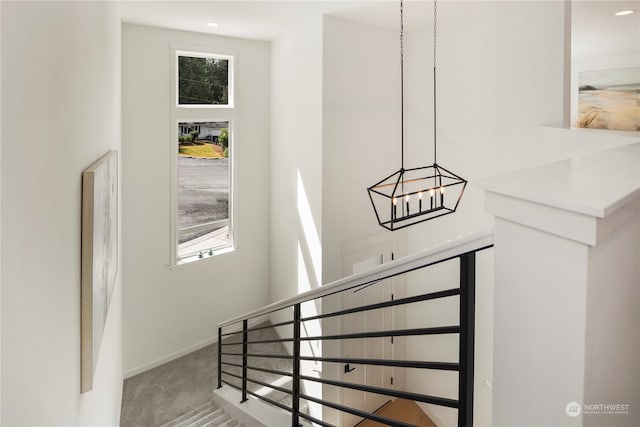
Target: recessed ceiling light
{"x":625,"y":12}
{"x":212,"y":24}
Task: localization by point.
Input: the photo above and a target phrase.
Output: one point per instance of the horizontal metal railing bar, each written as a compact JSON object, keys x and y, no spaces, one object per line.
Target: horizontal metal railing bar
{"x":393,"y":303}
{"x":315,"y":420}
{"x":230,"y":354}
{"x":450,"y":250}
{"x":270,"y":325}
{"x":356,"y":412}
{"x":271,"y":401}
{"x":442,"y":366}
{"x":416,"y":397}
{"x":272,"y":356}
{"x":237,"y":365}
{"x":232,"y":375}
{"x":232,"y":344}
{"x":257,"y":328}
{"x":231,"y":385}
{"x":438,"y":330}
{"x":270,"y":341}
{"x":269,"y":371}
{"x":275,"y":387}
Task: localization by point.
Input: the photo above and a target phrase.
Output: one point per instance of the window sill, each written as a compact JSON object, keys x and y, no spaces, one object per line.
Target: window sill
{"x":196,"y":257}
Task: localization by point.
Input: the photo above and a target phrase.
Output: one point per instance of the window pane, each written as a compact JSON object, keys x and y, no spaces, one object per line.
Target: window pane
{"x":203,"y":81}
{"x":203,"y":186}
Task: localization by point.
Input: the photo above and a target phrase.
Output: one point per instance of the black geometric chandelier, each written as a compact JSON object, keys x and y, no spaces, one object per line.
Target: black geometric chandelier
{"x":414,"y":195}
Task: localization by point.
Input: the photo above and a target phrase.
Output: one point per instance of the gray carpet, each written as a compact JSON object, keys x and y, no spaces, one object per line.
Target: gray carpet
{"x":164,"y":393}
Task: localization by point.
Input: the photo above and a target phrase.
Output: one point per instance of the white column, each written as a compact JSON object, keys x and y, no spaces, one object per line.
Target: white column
{"x":567,"y":291}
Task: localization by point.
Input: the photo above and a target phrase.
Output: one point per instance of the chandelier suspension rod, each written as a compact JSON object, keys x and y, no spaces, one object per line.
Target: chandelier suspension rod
{"x":402,"y":84}
{"x":418,"y":194}
{"x":435,"y":23}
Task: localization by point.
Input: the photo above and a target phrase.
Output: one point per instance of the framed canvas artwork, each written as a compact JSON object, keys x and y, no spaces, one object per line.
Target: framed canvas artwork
{"x":609,"y":99}
{"x":99,"y":257}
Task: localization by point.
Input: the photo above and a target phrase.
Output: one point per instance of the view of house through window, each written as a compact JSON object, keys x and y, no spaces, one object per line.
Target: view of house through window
{"x":203,"y":187}
{"x":203,"y":111}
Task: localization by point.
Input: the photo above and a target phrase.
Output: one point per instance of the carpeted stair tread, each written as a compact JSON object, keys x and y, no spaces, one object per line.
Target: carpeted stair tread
{"x":207,"y":411}
{"x":216,"y":421}
{"x":218,"y":416}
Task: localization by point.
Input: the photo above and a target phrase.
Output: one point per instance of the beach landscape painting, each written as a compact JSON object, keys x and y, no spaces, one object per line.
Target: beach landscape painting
{"x":609,"y":99}
{"x":99,"y":257}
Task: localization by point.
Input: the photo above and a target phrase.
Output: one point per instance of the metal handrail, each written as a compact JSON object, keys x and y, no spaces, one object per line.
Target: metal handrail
{"x":464,"y":249}
{"x":472,"y":242}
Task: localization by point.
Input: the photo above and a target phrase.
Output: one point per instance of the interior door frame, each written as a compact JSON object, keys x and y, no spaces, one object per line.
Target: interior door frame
{"x":350,"y":257}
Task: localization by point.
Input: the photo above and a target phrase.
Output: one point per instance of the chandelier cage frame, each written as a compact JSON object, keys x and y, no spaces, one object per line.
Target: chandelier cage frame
{"x":415,"y":195}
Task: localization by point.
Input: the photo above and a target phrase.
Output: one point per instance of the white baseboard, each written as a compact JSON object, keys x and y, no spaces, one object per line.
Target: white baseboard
{"x":432,"y":414}
{"x":170,"y":357}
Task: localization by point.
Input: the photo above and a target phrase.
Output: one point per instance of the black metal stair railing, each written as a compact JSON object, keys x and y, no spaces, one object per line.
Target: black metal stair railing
{"x":229,"y":360}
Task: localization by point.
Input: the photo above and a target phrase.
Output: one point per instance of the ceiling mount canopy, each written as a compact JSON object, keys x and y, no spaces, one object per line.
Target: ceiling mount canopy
{"x":414,"y":195}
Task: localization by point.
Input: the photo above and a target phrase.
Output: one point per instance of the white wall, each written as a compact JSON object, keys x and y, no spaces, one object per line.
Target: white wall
{"x":296,"y":168}
{"x":361,"y":128}
{"x":500,"y":108}
{"x":554,"y":344}
{"x":169,"y":311}
{"x":360,"y":110}
{"x":611,"y":372}
{"x":499,"y":79}
{"x":296,"y":157}
{"x":500,"y":93}
{"x":0,"y":223}
{"x":361,"y":136}
{"x":61,"y":112}
{"x":564,"y":294}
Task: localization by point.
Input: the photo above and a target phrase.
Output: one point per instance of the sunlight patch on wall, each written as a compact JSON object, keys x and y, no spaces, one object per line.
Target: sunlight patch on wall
{"x":310,"y":231}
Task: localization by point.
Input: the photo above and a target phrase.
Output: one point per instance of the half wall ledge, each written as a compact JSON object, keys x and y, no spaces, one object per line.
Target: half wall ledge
{"x":584,"y":198}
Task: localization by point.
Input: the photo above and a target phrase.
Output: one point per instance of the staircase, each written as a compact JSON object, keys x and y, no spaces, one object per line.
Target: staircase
{"x":263,"y":333}
{"x":207,"y":415}
{"x":248,"y":355}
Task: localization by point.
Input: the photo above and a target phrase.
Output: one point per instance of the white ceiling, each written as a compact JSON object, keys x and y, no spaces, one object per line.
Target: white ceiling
{"x":595,"y":28}
{"x":265,"y":19}
{"x":261,"y":19}
{"x":597,"y":31}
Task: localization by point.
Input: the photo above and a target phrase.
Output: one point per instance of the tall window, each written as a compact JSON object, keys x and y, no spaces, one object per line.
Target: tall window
{"x":203,"y":185}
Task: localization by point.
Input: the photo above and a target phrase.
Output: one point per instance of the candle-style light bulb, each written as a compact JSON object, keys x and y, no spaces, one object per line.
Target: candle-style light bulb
{"x":442,"y":196}
{"x":395,"y":208}
{"x":431,"y":197}
{"x":407,"y":203}
{"x":420,"y":201}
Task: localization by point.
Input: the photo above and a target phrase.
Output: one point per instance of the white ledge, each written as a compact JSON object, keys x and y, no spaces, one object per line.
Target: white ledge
{"x":450,"y":249}
{"x":595,"y":184}
{"x":583,"y":198}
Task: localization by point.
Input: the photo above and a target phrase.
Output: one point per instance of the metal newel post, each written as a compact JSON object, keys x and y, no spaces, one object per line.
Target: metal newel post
{"x":219,"y":357}
{"x":467,"y":333}
{"x":295,"y":405}
{"x":245,"y":339}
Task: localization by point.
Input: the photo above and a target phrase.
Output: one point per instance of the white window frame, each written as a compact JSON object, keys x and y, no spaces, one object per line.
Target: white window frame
{"x":201,"y":113}
{"x":206,"y":53}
